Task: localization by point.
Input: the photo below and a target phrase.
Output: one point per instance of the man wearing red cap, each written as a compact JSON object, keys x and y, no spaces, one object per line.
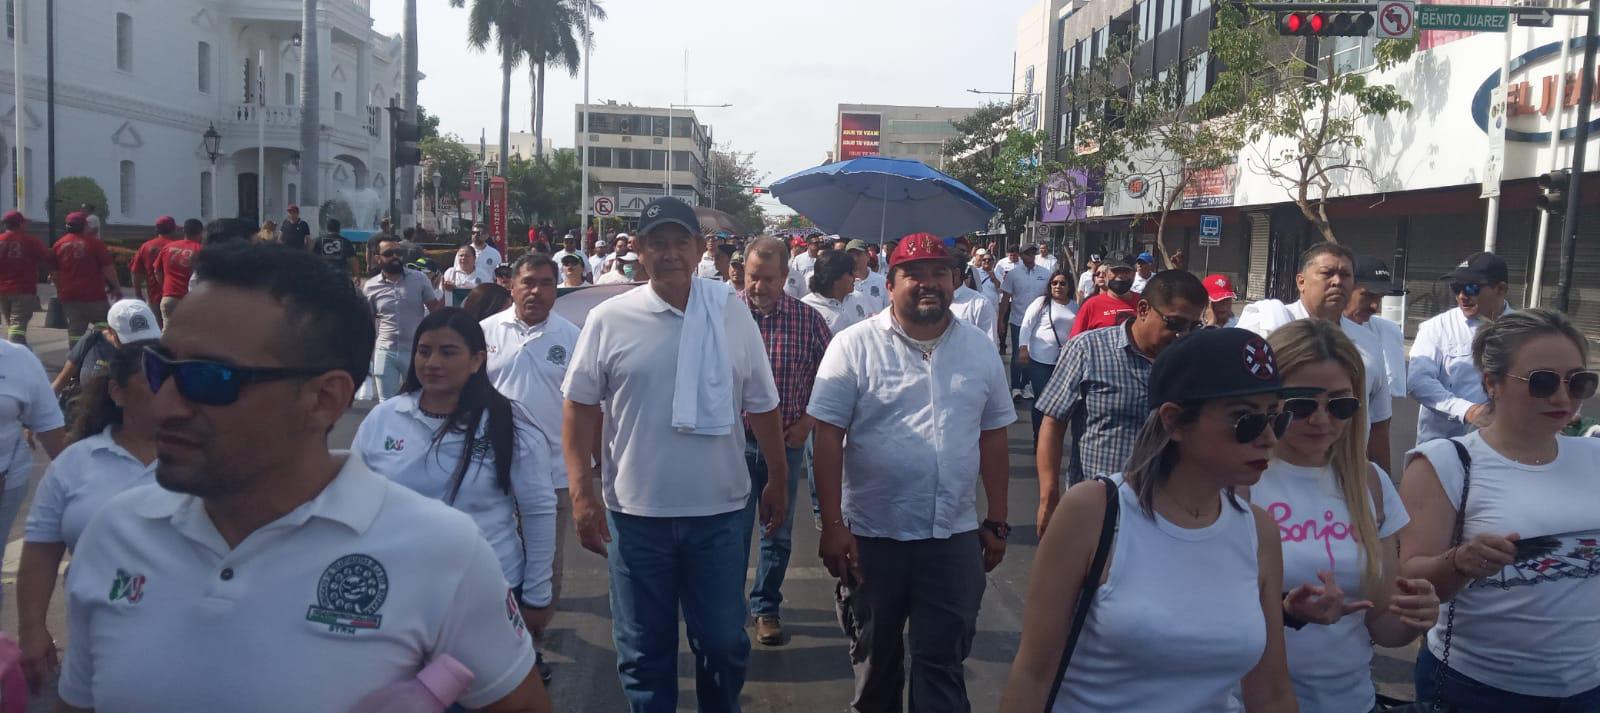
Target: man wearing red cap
{"x":85,"y":274}
{"x":925,"y":405}
{"x":1220,"y":289}
{"x":294,"y":232}
{"x":20,"y":256}
{"x":143,"y":267}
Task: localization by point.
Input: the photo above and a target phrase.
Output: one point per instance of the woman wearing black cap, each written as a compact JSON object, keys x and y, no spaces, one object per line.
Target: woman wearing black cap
{"x":1188,"y":605}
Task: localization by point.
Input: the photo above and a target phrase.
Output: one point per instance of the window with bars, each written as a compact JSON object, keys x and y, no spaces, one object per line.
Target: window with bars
{"x":124,"y":42}
{"x":203,"y":61}
{"x":125,"y":188}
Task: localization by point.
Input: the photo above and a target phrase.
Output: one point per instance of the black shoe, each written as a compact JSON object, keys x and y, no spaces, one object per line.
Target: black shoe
{"x":544,"y":670}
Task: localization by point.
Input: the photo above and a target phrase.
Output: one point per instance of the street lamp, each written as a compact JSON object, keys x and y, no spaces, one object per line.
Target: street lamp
{"x":667,"y":176}
{"x":295,"y":39}
{"x":438,"y":224}
{"x":213,"y":144}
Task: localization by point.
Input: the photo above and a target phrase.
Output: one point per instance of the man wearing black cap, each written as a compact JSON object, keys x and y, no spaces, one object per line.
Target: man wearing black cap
{"x":1019,"y":287}
{"x":569,"y":246}
{"x":1442,"y":377}
{"x":1117,"y":304}
{"x":673,"y":364}
{"x":1373,"y":283}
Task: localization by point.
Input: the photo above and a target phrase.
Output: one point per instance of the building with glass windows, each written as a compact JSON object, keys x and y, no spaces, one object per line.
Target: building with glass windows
{"x":628,"y":148}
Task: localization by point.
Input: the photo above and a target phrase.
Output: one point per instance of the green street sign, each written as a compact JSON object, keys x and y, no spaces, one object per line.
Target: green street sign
{"x":1468,"y":18}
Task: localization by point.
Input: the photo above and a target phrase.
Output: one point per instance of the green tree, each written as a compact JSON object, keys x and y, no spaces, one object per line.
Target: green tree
{"x":734,"y":173}
{"x":1001,"y":161}
{"x":547,"y":189}
{"x":1306,"y":113}
{"x":508,"y":26}
{"x":427,"y":124}
{"x":74,"y":191}
{"x":453,"y":161}
{"x":558,"y":31}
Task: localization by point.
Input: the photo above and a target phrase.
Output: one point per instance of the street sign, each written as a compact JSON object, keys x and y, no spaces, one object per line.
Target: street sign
{"x":1397,"y":19}
{"x":1465,"y":18}
{"x":1531,"y":17}
{"x":1210,"y":230}
{"x":604,"y":206}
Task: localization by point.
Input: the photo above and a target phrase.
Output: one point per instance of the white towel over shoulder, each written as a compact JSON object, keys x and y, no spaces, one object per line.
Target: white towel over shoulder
{"x":702,"y":398}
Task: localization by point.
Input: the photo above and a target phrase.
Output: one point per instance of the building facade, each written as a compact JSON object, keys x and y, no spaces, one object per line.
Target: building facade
{"x":628,"y":153}
{"x":912,"y":132}
{"x":1417,"y":200}
{"x":139,"y":83}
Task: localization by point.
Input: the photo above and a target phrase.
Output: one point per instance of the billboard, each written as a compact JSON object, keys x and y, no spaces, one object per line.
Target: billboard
{"x":1064,"y":197}
{"x":497,"y":213}
{"x":858,"y":135}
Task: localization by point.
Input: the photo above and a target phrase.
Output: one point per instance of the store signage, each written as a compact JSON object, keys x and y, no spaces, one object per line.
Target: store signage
{"x":859,"y":135}
{"x":1137,"y":186}
{"x":497,"y":213}
{"x":1533,"y":95}
{"x":1466,"y":18}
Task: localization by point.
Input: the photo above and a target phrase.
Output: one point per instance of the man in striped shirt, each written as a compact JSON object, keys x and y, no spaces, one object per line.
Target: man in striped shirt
{"x":795,"y":336}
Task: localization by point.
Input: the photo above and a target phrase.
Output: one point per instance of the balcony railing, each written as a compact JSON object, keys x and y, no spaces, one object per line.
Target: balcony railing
{"x":375,"y":119}
{"x":280,"y":115}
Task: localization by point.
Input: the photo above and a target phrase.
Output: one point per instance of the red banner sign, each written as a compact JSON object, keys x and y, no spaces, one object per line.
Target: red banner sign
{"x":497,"y":213}
{"x":858,"y":135}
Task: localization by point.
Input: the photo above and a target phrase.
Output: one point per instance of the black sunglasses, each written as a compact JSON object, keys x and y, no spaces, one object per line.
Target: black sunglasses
{"x":393,"y":252}
{"x":1249,"y":426}
{"x":1542,"y":383}
{"x":1177,"y":325}
{"x":212,"y":383}
{"x":1470,"y":289}
{"x":1341,"y":408}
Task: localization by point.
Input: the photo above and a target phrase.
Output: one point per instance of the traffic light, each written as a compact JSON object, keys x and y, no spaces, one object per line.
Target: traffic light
{"x":1325,"y":24}
{"x":1554,"y":184}
{"x":406,"y":135}
{"x":759,"y":190}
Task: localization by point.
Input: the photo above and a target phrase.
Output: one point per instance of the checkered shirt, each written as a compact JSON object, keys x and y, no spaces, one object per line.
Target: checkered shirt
{"x":1101,"y":389}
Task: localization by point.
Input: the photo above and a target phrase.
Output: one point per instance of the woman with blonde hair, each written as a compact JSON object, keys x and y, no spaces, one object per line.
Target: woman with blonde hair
{"x":268,"y":233}
{"x":1338,"y":517}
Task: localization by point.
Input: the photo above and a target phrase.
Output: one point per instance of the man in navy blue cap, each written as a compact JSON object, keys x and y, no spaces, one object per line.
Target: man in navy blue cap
{"x":1143,"y":268}
{"x":670,"y":366}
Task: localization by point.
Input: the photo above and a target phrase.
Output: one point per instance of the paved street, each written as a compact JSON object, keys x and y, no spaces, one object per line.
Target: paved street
{"x":811,"y":672}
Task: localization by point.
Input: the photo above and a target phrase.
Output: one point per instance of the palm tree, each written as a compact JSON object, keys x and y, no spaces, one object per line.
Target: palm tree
{"x":555,"y":44}
{"x":310,"y":109}
{"x":506,"y":22}
{"x":408,"y":102}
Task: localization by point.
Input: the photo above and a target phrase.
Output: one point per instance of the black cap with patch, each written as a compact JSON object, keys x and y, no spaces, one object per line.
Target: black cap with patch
{"x":1373,"y":275}
{"x":1216,"y":363}
{"x":1481,"y":268}
{"x":664,"y":210}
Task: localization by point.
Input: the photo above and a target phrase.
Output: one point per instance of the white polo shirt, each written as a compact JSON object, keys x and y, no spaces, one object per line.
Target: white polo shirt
{"x":800,"y":268}
{"x":353,"y":591}
{"x":1024,"y":286}
{"x":79,"y":482}
{"x":396,"y":440}
{"x":26,"y":401}
{"x":971,"y":306}
{"x":911,"y":464}
{"x":596,"y":264}
{"x":1004,"y":265}
{"x":1267,"y":315}
{"x":528,"y":364}
{"x":488,"y":259}
{"x":872,"y":292}
{"x":839,"y":314}
{"x":627,"y":362}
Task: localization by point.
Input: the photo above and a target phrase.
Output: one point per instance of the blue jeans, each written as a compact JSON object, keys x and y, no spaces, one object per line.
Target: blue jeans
{"x":1460,"y":694}
{"x":389,"y":368}
{"x":659,"y":565}
{"x":1038,"y":375}
{"x":764,"y":592}
{"x":1016,"y":369}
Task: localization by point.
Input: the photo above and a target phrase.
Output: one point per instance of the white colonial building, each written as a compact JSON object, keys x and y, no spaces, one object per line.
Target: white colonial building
{"x":139,"y":82}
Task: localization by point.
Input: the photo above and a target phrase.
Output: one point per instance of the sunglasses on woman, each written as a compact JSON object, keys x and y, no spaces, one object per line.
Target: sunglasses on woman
{"x":1542,"y":383}
{"x":1249,"y":426}
{"x":212,"y":383}
{"x":1342,"y":408}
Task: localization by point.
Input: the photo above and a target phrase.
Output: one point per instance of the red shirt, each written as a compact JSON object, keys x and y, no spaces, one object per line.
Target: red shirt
{"x":1105,"y":310}
{"x":144,"y":263}
{"x":20,"y":255}
{"x":176,"y":264}
{"x":80,"y":263}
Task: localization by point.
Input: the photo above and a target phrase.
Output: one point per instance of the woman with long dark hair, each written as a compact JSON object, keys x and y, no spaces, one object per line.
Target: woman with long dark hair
{"x":450,"y":435}
{"x":113,"y":449}
{"x":1046,"y":325}
{"x":485,"y":300}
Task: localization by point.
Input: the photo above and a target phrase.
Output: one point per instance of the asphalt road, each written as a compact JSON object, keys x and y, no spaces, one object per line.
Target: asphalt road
{"x":811,"y":671}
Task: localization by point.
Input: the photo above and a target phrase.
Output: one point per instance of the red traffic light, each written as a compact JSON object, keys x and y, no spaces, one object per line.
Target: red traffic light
{"x":1291,"y":24}
{"x":1317,"y":23}
{"x":1325,"y":24}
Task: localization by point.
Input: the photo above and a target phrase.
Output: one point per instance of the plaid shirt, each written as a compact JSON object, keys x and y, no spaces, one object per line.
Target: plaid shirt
{"x":795,"y":336}
{"x":1101,"y":388}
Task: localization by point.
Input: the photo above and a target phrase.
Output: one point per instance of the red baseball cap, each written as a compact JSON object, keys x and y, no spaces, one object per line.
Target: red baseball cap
{"x":917,"y":247}
{"x":13,"y":218}
{"x":1220,"y":287}
{"x":166,"y":224}
{"x":294,"y":208}
{"x":77,"y":219}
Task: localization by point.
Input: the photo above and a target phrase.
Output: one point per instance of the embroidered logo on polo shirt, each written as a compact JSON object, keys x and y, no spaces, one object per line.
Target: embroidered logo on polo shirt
{"x":875,"y":291}
{"x":349,"y":595}
{"x":390,"y":443}
{"x":127,"y":586}
{"x":557,"y":355}
{"x":514,"y":614}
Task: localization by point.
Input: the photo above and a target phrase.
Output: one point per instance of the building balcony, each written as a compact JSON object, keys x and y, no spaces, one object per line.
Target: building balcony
{"x":248,"y":114}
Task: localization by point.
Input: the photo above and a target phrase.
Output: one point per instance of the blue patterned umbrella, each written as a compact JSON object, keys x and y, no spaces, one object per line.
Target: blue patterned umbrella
{"x":884,"y":197}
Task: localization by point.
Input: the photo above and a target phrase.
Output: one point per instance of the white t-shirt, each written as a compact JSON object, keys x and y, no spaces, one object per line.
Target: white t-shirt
{"x":800,"y":269}
{"x":911,"y":463}
{"x":26,"y":401}
{"x":1004,"y":265}
{"x":872,"y":292}
{"x":1267,"y":315}
{"x":626,"y":361}
{"x":1139,"y":281}
{"x":353,"y":591}
{"x":988,"y":286}
{"x":1534,"y":627}
{"x":1086,"y":285}
{"x":839,"y":314}
{"x":596,"y":264}
{"x":528,"y":364}
{"x":1046,"y":337}
{"x":79,"y":482}
{"x":488,"y":259}
{"x":460,"y":280}
{"x":1330,"y":666}
{"x":1024,"y":286}
{"x":971,"y":306}
{"x":397,"y":440}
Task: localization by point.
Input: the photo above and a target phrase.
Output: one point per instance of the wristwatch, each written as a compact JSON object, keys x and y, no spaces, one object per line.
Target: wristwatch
{"x":999,"y":529}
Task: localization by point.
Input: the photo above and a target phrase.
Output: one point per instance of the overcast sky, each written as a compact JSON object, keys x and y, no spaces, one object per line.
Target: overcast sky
{"x":783,"y":65}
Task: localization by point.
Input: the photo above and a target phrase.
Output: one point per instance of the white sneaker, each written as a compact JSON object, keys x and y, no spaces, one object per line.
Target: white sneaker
{"x":1027,"y":392}
{"x":1016,"y":394}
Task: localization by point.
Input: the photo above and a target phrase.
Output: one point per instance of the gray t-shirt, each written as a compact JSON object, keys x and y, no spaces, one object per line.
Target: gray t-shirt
{"x":398,"y":305}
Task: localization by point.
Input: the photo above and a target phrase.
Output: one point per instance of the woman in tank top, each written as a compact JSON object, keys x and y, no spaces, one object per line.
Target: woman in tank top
{"x":1190,"y":605}
{"x":1526,"y":575}
{"x":1338,"y":516}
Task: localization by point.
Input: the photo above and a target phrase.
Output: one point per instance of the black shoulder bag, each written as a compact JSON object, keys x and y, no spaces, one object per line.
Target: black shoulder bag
{"x":1091,"y":583}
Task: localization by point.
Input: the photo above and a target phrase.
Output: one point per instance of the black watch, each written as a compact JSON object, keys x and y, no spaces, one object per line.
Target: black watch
{"x":1000,"y":529}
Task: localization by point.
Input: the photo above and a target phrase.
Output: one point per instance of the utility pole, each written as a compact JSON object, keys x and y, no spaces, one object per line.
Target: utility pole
{"x":1569,"y":226}
{"x":50,"y":113}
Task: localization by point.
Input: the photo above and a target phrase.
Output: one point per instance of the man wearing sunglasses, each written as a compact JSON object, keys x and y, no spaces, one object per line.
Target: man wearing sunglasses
{"x":1100,"y":390}
{"x":399,"y":299}
{"x":262,"y":551}
{"x":1327,"y":280}
{"x":1441,"y":376}
{"x":488,"y":255}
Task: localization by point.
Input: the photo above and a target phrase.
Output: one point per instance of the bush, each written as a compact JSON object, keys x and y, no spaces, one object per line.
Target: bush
{"x":74,"y":191}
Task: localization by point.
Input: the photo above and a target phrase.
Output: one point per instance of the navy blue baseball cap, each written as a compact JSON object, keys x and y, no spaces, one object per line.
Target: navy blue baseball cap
{"x":664,"y":210}
{"x":1216,"y":364}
